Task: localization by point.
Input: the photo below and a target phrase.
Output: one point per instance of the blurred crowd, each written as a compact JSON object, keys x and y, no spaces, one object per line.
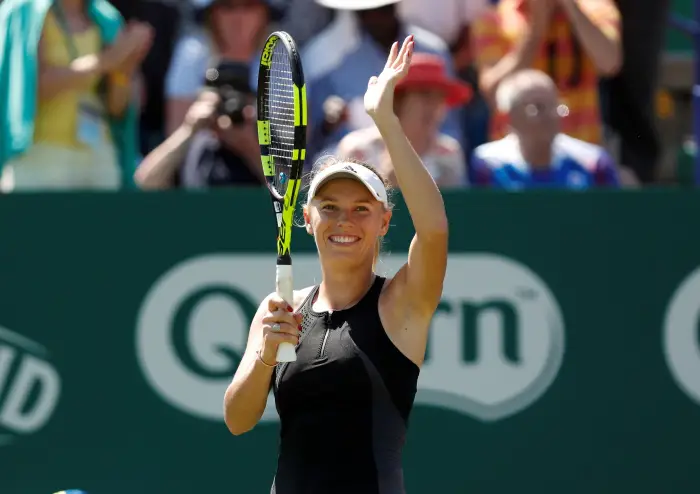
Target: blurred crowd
{"x":160,"y":94}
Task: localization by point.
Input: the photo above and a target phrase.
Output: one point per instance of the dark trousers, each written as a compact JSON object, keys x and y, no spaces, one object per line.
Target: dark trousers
{"x":628,"y":98}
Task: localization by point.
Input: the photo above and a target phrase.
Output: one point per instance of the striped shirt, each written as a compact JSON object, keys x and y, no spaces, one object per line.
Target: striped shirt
{"x":576,"y":165}
{"x":561,"y":56}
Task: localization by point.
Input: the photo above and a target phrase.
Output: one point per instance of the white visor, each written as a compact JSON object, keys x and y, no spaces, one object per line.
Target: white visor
{"x":350,"y":170}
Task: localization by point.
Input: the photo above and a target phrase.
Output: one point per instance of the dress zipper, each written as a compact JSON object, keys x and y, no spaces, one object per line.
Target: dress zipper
{"x":327,"y":320}
{"x":323,"y":344}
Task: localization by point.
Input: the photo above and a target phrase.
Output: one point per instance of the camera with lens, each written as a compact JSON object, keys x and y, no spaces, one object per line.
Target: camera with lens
{"x":231,"y":81}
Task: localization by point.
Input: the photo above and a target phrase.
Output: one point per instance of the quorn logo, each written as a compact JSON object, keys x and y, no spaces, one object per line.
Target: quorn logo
{"x":496,"y":344}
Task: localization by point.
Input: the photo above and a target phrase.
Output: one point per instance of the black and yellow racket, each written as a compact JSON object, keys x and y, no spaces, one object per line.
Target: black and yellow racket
{"x":282,"y":135}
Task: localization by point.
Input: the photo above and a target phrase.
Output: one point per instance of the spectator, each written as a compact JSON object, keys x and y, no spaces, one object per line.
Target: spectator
{"x":217,"y":143}
{"x":574,"y":41}
{"x":165,"y":16}
{"x":536,"y":154}
{"x":449,"y":19}
{"x":339,"y":61}
{"x":629,"y":97}
{"x":230,"y":30}
{"x":421,"y":101}
{"x":302,"y":19}
{"x":72,"y":121}
{"x":452,"y":21}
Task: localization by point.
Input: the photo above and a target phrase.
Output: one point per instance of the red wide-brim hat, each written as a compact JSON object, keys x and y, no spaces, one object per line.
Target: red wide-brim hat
{"x":428,"y":72}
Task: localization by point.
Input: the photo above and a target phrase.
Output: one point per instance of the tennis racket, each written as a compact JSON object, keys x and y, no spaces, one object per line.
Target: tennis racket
{"x":282,"y":136}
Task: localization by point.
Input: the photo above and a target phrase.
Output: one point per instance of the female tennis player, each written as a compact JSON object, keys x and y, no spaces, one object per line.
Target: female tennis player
{"x":344,"y":403}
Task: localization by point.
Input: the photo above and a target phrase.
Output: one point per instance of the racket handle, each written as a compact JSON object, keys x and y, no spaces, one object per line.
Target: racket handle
{"x":285,"y":289}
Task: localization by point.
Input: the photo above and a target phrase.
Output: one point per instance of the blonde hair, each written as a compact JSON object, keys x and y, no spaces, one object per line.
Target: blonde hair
{"x":326,"y":161}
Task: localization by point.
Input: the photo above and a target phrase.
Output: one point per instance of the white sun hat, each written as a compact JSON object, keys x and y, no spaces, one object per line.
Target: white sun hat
{"x":355,"y":4}
{"x":350,"y":170}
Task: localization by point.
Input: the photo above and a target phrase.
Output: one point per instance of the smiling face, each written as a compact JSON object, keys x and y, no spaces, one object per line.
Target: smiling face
{"x":346,"y":222}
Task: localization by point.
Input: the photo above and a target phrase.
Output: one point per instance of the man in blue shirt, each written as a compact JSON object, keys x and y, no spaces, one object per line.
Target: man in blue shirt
{"x":535,"y":154}
{"x":339,"y":61}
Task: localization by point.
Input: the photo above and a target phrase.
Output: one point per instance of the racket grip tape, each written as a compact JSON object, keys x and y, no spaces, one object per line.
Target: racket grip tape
{"x":285,"y":289}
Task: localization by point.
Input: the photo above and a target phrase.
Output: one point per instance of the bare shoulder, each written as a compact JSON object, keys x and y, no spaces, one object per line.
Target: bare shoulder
{"x":300,"y":296}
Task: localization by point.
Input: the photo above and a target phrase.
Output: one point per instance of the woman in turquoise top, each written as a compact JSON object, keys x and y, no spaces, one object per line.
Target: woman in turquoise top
{"x":71,"y":121}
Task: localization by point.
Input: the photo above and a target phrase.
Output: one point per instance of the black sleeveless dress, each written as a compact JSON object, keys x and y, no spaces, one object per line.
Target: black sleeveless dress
{"x":344,"y":404}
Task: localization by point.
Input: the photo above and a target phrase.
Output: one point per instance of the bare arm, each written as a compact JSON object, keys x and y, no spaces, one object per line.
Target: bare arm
{"x":495,"y":58}
{"x":78,"y":75}
{"x":123,"y":82}
{"x":246,"y":396}
{"x":424,"y":273}
{"x":158,"y":169}
{"x":599,"y":37}
{"x":119,"y":93}
{"x":128,"y":49}
{"x":520,"y":58}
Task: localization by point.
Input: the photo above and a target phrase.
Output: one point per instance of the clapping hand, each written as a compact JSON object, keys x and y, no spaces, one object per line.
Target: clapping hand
{"x":141,"y":35}
{"x":129,"y":49}
{"x":379,"y":98}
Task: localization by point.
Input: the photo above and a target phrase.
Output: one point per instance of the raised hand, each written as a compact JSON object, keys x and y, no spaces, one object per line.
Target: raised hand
{"x":379,"y":98}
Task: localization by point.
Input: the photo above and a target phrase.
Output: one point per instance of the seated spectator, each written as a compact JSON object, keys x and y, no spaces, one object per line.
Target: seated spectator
{"x":421,"y":100}
{"x":217,"y":143}
{"x":359,"y":41}
{"x":72,"y":123}
{"x":536,"y":153}
{"x":452,"y":21}
{"x":228,"y":30}
{"x":574,"y":41}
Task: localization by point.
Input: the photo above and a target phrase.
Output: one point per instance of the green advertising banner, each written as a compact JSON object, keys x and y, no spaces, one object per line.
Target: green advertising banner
{"x":564,"y":357}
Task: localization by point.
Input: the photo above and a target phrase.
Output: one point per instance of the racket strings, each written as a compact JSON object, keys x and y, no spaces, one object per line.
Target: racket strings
{"x":279,"y":90}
